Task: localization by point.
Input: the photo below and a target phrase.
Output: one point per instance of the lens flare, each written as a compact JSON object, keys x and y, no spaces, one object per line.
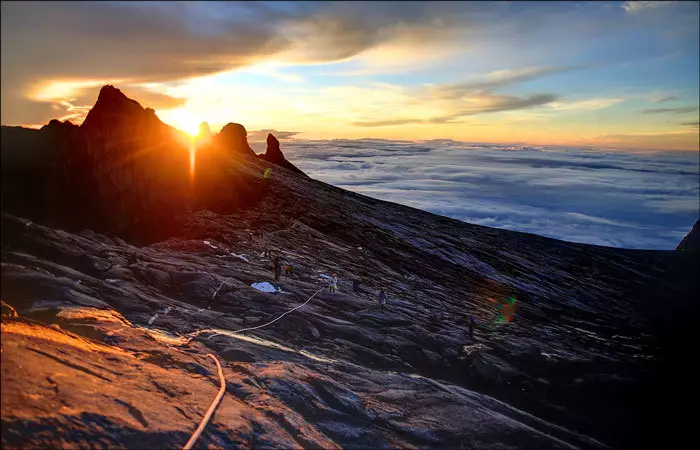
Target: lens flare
{"x":505,"y":309}
{"x":193,"y":156}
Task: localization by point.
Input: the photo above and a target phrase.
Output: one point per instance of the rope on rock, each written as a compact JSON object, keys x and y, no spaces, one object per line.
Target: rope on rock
{"x":219,"y":331}
{"x":219,"y":288}
{"x":211,"y":409}
{"x":211,"y":302}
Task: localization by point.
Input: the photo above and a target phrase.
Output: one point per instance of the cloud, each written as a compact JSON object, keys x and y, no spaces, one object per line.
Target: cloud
{"x":677,"y":139}
{"x":633,"y":7}
{"x":590,"y":104}
{"x":619,"y":199}
{"x":132,"y":42}
{"x":261,"y":135}
{"x":393,"y":122}
{"x":665,"y":99}
{"x":274,"y":70}
{"x":498,"y":79}
{"x":140,"y":42}
{"x":72,"y":100}
{"x":695,"y":124}
{"x":337,"y":31}
{"x":481,"y":103}
{"x":163,"y":46}
{"x":668,"y":110}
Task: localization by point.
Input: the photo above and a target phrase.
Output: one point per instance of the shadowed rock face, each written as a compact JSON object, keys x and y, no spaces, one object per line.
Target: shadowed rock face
{"x":273,"y":152}
{"x":595,"y":357}
{"x":274,"y":155}
{"x":692,"y":240}
{"x":122,"y":171}
{"x":233,"y":137}
{"x":57,"y":127}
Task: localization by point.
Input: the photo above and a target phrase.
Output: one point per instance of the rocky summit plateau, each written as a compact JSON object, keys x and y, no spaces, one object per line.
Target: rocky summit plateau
{"x":130,"y":251}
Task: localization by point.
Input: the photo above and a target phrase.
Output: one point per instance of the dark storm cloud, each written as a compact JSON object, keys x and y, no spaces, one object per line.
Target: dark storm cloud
{"x":620,"y":199}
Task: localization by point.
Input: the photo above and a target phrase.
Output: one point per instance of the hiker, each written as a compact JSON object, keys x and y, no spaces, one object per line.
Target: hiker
{"x":472,"y":324}
{"x":278,"y":268}
{"x":333,"y":283}
{"x":382,"y":298}
{"x":288,"y":270}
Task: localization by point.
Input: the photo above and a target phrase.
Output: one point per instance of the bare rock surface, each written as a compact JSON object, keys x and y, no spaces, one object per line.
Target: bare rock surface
{"x":94,"y":327}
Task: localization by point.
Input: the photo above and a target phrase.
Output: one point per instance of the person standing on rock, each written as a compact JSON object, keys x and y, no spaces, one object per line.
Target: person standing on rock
{"x":472,"y":325}
{"x":382,"y":298}
{"x":278,"y":268}
{"x":333,"y":284}
{"x":288,"y":270}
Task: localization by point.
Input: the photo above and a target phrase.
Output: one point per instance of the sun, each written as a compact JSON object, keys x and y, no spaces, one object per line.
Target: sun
{"x":190,"y":127}
{"x":183,"y":120}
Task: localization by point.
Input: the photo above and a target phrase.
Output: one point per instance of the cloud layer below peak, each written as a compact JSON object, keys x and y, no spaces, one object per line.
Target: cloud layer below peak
{"x":619,"y":199}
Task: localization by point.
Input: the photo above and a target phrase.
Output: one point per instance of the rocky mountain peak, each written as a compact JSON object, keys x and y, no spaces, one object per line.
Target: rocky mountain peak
{"x":273,"y":147}
{"x":234,"y":136}
{"x":56,"y":126}
{"x":114,"y":111}
{"x":274,"y":154}
{"x":692,"y":240}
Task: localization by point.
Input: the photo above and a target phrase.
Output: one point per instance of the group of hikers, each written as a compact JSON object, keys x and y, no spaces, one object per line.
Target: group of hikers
{"x":288,"y":268}
{"x":333,"y":287}
{"x":332,"y":281}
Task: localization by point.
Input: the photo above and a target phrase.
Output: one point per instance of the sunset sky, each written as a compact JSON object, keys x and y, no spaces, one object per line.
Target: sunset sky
{"x":602,"y":74}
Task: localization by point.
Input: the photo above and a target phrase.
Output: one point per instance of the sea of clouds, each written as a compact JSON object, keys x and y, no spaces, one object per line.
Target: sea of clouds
{"x":615,"y":198}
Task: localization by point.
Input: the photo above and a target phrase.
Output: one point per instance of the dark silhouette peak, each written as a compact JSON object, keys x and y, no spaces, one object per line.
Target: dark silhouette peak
{"x":275,"y":155}
{"x":114,"y":110}
{"x":56,"y":125}
{"x":692,"y":240}
{"x":111,"y":97}
{"x":234,"y":130}
{"x":234,"y":136}
{"x":110,"y":91}
{"x":273,"y":143}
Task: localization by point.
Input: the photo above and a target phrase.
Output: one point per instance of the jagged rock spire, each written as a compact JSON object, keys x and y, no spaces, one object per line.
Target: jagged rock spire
{"x":275,"y":155}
